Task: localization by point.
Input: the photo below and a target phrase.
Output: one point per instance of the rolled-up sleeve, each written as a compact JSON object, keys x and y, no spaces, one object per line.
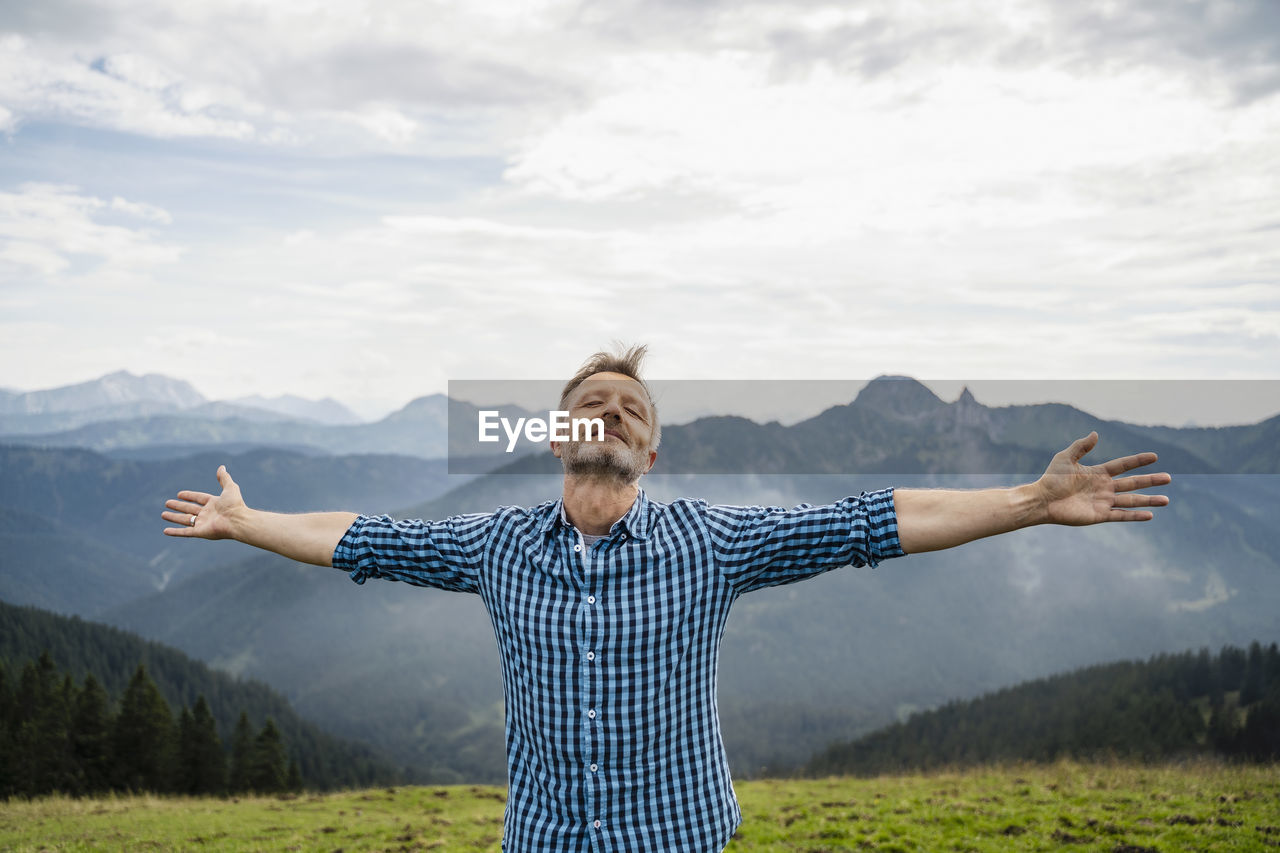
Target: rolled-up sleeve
{"x":756,"y":547}
{"x":446,"y":554}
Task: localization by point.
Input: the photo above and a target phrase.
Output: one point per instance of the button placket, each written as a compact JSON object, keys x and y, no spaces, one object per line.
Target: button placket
{"x":591,"y":680}
{"x":587,"y":687}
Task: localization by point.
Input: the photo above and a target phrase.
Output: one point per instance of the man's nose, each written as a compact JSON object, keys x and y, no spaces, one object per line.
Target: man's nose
{"x":613,"y":407}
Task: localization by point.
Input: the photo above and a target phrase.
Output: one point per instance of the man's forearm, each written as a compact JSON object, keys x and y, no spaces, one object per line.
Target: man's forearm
{"x":307,"y":538}
{"x":933,"y":519}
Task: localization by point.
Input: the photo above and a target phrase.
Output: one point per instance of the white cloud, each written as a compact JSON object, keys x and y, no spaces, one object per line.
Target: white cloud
{"x":141,"y":210}
{"x":23,"y":253}
{"x":387,"y":124}
{"x":981,"y":147}
{"x":124,"y":92}
{"x":44,"y":227}
{"x":279,"y":73}
{"x":139,"y":71}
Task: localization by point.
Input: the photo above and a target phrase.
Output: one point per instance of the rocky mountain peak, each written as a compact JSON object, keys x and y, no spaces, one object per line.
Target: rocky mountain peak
{"x":113,"y":389}
{"x":899,"y":395}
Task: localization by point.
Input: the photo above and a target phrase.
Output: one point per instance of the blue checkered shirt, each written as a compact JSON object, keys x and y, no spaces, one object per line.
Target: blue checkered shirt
{"x":609,"y":651}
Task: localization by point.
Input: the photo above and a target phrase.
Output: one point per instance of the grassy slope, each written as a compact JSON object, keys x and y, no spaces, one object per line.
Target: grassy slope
{"x":1062,"y":806}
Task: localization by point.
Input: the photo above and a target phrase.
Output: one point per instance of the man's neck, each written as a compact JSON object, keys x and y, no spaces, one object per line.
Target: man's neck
{"x":593,"y":505}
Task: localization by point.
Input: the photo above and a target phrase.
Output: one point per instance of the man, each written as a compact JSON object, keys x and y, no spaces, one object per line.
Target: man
{"x":608,"y":608}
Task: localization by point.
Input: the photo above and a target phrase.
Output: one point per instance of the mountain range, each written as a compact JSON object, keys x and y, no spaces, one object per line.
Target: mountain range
{"x":123,"y":396}
{"x":415,"y":671}
{"x":155,"y":417}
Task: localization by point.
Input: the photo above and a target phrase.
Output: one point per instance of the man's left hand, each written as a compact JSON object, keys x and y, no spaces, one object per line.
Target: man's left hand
{"x":1078,"y":494}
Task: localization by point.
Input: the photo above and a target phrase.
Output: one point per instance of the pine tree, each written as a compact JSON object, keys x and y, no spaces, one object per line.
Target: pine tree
{"x":23,"y":766}
{"x":42,"y":754}
{"x":1200,"y":677}
{"x":1252,"y":686}
{"x":143,"y":742}
{"x":268,"y":772}
{"x":1223,"y":730}
{"x":6,"y":696}
{"x":1271,"y":670}
{"x":184,"y":765}
{"x":202,"y":765}
{"x":91,"y":727}
{"x":293,"y":781}
{"x":1260,"y":739}
{"x":1232,"y":661}
{"x":8,"y":778}
{"x":1217,"y":690}
{"x":241,"y":755}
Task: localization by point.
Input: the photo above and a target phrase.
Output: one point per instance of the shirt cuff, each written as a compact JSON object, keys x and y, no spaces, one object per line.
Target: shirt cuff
{"x":882,"y":526}
{"x":346,"y":556}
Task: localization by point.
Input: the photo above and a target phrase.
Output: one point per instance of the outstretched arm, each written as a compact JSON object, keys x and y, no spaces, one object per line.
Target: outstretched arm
{"x":1067,"y":493}
{"x":307,"y":538}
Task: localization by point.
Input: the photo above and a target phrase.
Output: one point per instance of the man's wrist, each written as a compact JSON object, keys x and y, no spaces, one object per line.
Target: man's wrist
{"x":240,"y":521}
{"x":1028,"y":506}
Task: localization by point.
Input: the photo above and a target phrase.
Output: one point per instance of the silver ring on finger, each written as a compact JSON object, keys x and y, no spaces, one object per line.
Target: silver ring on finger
{"x":193,"y":521}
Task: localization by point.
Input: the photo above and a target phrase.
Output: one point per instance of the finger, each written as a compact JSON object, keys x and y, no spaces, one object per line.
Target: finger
{"x":1129,"y":501}
{"x":184,"y":506}
{"x":1130,"y":515}
{"x":224,"y":479}
{"x":183,"y":518}
{"x":1081,"y":446}
{"x":1142,"y":481}
{"x":1128,"y":463}
{"x":201,"y":498}
{"x":184,"y":528}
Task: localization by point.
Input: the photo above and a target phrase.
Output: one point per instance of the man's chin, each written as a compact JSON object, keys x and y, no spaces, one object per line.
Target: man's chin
{"x":612,"y":464}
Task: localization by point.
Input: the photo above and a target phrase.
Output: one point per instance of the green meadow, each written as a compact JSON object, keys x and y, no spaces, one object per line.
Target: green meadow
{"x":1064,"y":806}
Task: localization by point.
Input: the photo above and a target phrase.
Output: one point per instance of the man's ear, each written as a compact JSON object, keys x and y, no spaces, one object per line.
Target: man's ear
{"x":653,"y":457}
{"x":555,"y":449}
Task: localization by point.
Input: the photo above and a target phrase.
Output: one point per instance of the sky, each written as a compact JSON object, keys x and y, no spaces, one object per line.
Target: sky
{"x":366,"y":200}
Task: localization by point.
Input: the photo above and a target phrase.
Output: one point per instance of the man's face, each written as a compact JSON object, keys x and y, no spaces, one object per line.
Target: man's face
{"x":623,"y":405}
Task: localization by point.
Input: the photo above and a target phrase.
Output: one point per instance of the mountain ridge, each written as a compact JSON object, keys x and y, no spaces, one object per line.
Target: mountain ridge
{"x":843,"y":652}
{"x":114,"y":388}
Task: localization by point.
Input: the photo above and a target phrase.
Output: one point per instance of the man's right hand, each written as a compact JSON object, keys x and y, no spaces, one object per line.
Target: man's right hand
{"x":205,"y":516}
{"x":309,"y":537}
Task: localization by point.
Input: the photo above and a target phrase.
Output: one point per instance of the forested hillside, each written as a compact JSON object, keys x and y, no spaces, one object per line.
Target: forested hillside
{"x":48,"y":664}
{"x":1171,"y":705}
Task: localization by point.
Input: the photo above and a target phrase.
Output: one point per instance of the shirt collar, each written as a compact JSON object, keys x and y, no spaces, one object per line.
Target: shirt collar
{"x":635,"y":522}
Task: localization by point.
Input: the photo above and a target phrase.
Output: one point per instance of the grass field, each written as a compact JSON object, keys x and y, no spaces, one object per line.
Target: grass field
{"x":1065,"y":806}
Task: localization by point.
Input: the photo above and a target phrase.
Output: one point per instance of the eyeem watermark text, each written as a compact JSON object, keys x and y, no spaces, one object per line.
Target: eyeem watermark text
{"x":558,"y":427}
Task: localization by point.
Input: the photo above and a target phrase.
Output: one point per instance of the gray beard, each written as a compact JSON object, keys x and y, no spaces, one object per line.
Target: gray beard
{"x":595,"y":460}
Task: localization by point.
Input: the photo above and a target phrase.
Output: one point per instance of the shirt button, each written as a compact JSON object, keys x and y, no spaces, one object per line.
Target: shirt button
{"x":578,"y":547}
{"x":624,"y":536}
{"x":594,"y":768}
{"x":592,"y":713}
{"x":596,"y":824}
{"x":591,"y":655}
{"x":591,"y":599}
